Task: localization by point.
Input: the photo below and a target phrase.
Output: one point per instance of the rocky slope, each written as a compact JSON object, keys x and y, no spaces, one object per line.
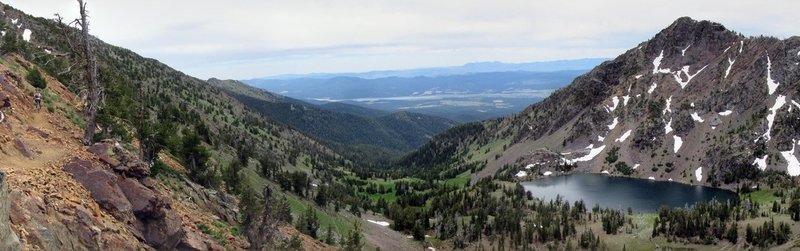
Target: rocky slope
{"x":64,"y":196}
{"x":697,"y":103}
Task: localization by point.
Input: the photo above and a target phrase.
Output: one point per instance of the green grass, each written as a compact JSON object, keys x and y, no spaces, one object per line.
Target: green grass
{"x":481,"y":154}
{"x":763,"y":196}
{"x":215,"y":233}
{"x":460,"y":180}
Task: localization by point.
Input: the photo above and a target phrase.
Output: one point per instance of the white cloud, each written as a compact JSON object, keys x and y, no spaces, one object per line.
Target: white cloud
{"x":248,"y":38}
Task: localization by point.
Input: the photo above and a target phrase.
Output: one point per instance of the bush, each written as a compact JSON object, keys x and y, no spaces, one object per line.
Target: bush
{"x":623,"y":168}
{"x":35,"y":78}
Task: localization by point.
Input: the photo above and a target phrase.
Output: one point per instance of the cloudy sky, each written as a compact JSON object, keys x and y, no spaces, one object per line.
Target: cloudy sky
{"x":252,"y":38}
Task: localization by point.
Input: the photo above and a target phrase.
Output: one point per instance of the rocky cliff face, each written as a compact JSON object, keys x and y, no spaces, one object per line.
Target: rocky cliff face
{"x":8,"y":239}
{"x":697,"y":103}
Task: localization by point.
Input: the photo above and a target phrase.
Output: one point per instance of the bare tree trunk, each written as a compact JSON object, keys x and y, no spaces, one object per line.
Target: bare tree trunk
{"x":93,"y":97}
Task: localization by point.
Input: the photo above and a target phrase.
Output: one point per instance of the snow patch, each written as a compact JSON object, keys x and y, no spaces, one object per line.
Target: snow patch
{"x":605,"y":172}
{"x":48,"y":51}
{"x":689,"y":77}
{"x":614,"y":100}
{"x":796,"y":104}
{"x":590,"y":146}
{"x":637,"y":76}
{"x":730,"y":65}
{"x":14,"y":21}
{"x":771,"y":84}
{"x":635,"y":166}
{"x":625,"y":99}
{"x":592,"y":153}
{"x":624,"y":136}
{"x":741,"y":46}
{"x":381,"y":223}
{"x":793,"y":167}
{"x":726,"y":50}
{"x":699,"y":173}
{"x":683,"y":52}
{"x":668,"y":127}
{"x":652,"y":88}
{"x":725,"y":113}
{"x":651,"y":178}
{"x":666,"y":109}
{"x":761,"y":162}
{"x":26,"y":35}
{"x":779,"y":102}
{"x":529,"y":166}
{"x":521,"y":174}
{"x":670,"y":179}
{"x":600,"y":138}
{"x":548,"y":173}
{"x":696,"y":117}
{"x":678,"y":143}
{"x":657,"y":62}
{"x":692,"y":104}
{"x":613,"y":124}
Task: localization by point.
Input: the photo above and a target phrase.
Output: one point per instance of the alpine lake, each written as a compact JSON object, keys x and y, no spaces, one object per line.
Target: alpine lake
{"x":642,"y":196}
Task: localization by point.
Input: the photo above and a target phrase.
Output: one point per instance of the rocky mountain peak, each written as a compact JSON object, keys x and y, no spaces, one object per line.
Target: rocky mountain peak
{"x":685,"y":33}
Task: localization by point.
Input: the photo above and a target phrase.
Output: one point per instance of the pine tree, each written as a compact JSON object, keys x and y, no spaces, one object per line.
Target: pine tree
{"x":308,"y":222}
{"x":354,"y":241}
{"x":329,"y":238}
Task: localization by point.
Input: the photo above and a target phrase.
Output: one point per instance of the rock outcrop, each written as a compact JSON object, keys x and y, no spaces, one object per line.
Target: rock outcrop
{"x":8,"y":239}
{"x":125,"y":190}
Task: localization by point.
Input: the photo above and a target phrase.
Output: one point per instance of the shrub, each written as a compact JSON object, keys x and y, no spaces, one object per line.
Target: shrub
{"x":35,"y":78}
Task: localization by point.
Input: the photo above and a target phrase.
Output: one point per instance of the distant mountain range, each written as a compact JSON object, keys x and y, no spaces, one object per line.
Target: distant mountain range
{"x":477,"y":67}
{"x":461,"y":97}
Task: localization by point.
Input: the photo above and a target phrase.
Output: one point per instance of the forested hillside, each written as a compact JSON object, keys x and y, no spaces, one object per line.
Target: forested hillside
{"x":361,"y":135}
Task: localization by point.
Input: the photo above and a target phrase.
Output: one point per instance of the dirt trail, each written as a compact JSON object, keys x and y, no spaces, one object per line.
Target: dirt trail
{"x":51,"y":140}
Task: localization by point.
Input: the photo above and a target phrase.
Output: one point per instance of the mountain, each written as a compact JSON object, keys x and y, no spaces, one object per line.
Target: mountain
{"x":470,"y":68}
{"x":353,"y":109}
{"x":354,"y":126}
{"x":697,"y":103}
{"x":177,"y":163}
{"x":464,"y":97}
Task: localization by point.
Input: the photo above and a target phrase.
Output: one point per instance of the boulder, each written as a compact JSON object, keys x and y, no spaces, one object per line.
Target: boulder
{"x":110,"y":161}
{"x":128,"y":194}
{"x":38,"y":131}
{"x":164,"y":233}
{"x":101,"y":184}
{"x":8,"y":239}
{"x":192,"y":242}
{"x":142,"y":199}
{"x":23,"y":148}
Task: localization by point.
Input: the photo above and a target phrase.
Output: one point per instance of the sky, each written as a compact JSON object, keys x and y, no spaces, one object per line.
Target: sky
{"x":243,"y":39}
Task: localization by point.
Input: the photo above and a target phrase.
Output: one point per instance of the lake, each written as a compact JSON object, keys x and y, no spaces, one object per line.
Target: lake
{"x":620,"y":193}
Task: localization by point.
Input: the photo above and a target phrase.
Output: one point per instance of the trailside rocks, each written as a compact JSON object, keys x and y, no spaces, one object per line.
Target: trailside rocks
{"x":8,"y":239}
{"x":126,"y":191}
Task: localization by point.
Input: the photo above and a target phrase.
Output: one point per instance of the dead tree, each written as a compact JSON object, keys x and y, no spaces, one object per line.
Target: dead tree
{"x":93,"y":97}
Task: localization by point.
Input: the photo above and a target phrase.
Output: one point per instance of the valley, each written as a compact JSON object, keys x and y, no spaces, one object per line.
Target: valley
{"x":469,"y":95}
{"x":687,"y":141}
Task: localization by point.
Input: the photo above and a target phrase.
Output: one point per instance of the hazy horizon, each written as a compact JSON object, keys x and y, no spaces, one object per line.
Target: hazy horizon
{"x":250,"y":39}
